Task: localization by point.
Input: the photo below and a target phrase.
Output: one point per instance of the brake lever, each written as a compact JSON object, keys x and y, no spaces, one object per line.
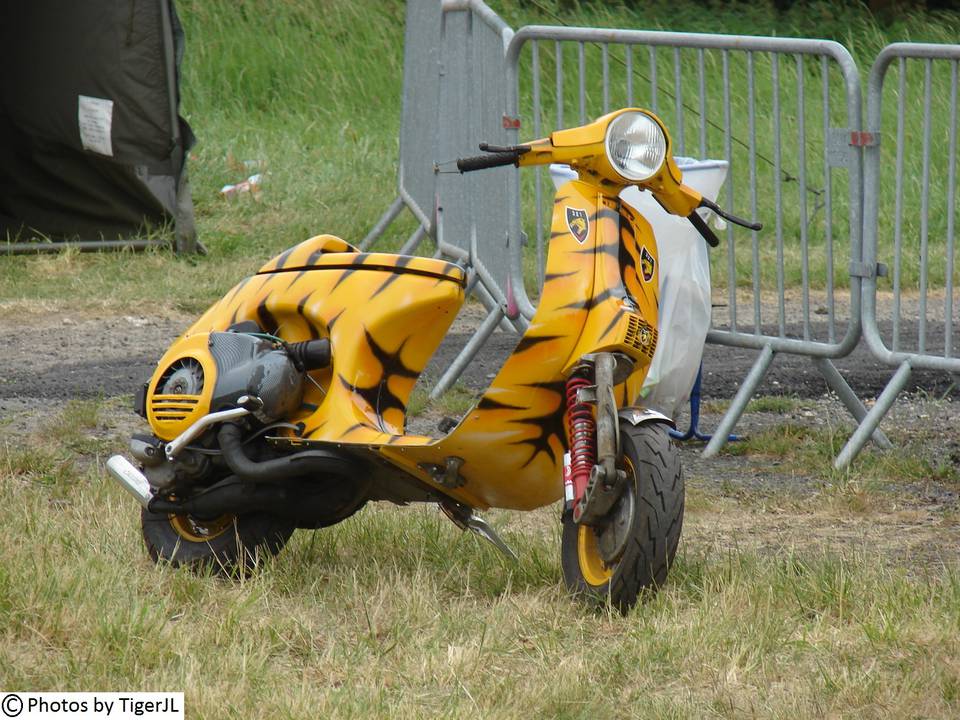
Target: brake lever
{"x":704,"y":202}
{"x":518,"y":149}
{"x":704,"y":229}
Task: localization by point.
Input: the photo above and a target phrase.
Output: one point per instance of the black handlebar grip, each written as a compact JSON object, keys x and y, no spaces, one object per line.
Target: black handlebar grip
{"x":480,"y":162}
{"x":703,"y":229}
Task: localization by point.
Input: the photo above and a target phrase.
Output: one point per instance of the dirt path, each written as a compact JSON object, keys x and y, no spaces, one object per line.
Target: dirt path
{"x":58,"y":356}
{"x":735,"y":501}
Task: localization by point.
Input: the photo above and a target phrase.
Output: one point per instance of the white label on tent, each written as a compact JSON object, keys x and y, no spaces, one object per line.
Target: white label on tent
{"x":95,"y":116}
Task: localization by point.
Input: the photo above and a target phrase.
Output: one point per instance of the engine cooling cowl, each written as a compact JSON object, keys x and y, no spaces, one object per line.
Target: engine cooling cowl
{"x":249,"y":365}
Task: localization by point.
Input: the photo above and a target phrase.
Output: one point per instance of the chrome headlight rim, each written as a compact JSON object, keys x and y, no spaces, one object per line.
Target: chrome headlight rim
{"x":616,"y":130}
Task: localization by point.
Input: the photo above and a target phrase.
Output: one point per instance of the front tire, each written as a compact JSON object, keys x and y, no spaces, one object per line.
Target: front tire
{"x":229,"y":545}
{"x":650,"y":514}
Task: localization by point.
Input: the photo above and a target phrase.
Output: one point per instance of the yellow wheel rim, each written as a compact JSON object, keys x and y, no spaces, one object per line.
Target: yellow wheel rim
{"x":594,"y":570}
{"x":199,"y":531}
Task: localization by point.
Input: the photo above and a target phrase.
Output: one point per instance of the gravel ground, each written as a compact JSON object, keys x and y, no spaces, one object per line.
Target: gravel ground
{"x":59,"y":356}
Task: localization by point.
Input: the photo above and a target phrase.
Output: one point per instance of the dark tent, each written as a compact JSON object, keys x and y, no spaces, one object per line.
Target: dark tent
{"x":92,"y":148}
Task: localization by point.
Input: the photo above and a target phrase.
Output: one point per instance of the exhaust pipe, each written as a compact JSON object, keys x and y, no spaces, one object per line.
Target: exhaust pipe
{"x":265,"y":486}
{"x":130,"y":479}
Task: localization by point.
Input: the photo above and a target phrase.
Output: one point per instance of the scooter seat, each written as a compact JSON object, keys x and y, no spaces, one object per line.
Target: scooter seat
{"x":329,"y":251}
{"x":308,"y":253}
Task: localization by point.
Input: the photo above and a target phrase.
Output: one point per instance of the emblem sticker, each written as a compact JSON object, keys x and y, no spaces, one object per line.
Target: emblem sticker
{"x":647,"y":264}
{"x":646,"y":336}
{"x":578,"y":223}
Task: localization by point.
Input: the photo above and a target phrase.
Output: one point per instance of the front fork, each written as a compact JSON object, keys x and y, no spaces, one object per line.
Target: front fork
{"x":592,"y":477}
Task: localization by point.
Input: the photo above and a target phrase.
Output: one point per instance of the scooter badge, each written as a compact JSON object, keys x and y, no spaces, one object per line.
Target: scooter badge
{"x":579,"y":224}
{"x":647,"y":264}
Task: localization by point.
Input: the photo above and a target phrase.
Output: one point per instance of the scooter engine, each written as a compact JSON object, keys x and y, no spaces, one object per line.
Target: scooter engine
{"x":212,"y":376}
{"x":251,"y":365}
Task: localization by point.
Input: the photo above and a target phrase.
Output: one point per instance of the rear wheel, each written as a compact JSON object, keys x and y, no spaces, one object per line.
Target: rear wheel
{"x":229,"y":544}
{"x":635,"y":547}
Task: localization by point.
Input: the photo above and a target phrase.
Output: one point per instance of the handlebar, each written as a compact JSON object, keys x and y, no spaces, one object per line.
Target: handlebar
{"x":480,"y":162}
{"x":499,"y":156}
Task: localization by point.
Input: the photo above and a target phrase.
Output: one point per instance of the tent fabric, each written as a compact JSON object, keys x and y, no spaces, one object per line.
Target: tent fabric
{"x":91,"y":143}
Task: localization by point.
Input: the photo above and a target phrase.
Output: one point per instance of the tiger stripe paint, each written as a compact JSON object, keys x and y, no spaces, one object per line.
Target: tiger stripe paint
{"x":384,"y":315}
{"x":513,"y":441}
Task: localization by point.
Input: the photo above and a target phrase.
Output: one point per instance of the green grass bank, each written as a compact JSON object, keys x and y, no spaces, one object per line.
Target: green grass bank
{"x":311,"y":91}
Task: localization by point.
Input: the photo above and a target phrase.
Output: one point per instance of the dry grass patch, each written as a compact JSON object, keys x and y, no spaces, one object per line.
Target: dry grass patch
{"x":395,"y":613}
{"x":811,"y":449}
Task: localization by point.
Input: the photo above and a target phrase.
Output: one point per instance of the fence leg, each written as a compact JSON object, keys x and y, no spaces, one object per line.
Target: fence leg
{"x":872,"y":419}
{"x":740,"y":400}
{"x":388,"y":217}
{"x":836,"y":383}
{"x":517,"y":325}
{"x":411,"y":245}
{"x":466,"y":355}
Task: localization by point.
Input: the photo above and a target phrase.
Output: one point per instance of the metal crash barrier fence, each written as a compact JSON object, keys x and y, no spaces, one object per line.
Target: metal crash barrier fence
{"x":789,"y":126}
{"x":786,"y":116}
{"x":910,"y":227}
{"x":453,"y":90}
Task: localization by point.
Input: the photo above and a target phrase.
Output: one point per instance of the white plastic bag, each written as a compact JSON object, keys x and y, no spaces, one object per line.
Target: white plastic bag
{"x":684,"y":317}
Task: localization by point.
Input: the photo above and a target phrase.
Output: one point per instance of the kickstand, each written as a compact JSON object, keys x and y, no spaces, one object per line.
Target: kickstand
{"x":466,"y":518}
{"x":694,"y":430}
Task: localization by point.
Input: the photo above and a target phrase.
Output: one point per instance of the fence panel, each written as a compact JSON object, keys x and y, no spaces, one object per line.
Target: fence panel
{"x":419,"y":120}
{"x":910,"y":214}
{"x":786,"y":116}
{"x":472,"y":92}
{"x":784,"y":113}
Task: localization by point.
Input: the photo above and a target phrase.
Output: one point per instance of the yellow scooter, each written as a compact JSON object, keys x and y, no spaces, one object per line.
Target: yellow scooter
{"x":284,"y":405}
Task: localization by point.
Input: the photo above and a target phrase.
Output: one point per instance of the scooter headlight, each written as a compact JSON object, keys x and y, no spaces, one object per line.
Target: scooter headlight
{"x":636,"y":146}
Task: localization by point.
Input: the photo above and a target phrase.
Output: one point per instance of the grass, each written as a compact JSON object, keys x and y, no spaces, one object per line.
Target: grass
{"x":291,"y":90}
{"x":810,"y":450}
{"x":779,"y":404}
{"x":395,"y":613}
{"x":453,"y":403}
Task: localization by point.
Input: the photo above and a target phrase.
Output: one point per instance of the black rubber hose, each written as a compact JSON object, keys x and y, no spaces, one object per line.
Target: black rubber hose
{"x":310,"y":354}
{"x":479,"y":162}
{"x":308,"y":462}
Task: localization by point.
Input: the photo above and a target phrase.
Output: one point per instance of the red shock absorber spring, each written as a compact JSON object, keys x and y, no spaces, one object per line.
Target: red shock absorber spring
{"x":582,"y":430}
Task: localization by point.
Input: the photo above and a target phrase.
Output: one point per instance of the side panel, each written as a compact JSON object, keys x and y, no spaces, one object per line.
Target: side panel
{"x":600,"y":294}
{"x":384,"y":314}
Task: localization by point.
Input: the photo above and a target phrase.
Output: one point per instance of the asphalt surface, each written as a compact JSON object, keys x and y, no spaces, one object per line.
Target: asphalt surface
{"x":60,"y":363}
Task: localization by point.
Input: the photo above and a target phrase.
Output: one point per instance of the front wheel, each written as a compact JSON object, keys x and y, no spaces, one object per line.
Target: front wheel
{"x":228,"y":545}
{"x":635,"y":547}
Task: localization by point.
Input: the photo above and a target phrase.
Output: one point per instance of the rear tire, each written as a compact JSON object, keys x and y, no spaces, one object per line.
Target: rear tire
{"x":229,"y":545}
{"x":655,"y":481}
